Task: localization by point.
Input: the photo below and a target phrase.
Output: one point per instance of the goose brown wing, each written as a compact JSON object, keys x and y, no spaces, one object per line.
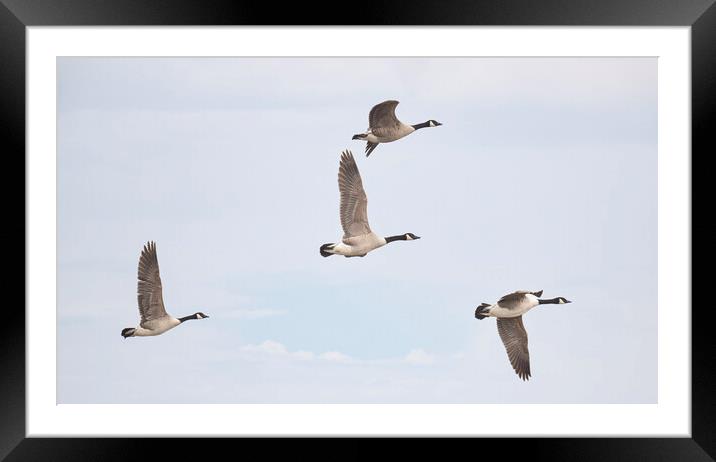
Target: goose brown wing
{"x":382,"y":117}
{"x":149,"y":285}
{"x":513,"y":300}
{"x":354,"y":202}
{"x":514,"y":337}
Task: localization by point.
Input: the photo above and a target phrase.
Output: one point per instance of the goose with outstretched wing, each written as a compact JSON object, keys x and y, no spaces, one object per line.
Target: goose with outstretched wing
{"x":154,"y":319}
{"x":358,"y":239}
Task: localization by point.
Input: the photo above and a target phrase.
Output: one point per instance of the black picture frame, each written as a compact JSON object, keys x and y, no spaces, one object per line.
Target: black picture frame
{"x":700,"y":15}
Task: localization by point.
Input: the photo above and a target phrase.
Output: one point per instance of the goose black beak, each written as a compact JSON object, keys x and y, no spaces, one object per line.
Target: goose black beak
{"x":416,"y":237}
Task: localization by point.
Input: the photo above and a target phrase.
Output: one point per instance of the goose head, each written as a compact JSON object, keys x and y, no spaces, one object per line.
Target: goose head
{"x":410,"y":237}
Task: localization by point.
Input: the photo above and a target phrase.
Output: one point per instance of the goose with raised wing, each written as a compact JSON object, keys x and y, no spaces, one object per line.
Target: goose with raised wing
{"x":358,"y":239}
{"x":509,"y":310}
{"x":154,"y":318}
{"x":384,"y":126}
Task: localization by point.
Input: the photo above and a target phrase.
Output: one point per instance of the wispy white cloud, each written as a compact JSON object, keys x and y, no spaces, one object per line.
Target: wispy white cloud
{"x":279,"y":350}
{"x":419,"y":356}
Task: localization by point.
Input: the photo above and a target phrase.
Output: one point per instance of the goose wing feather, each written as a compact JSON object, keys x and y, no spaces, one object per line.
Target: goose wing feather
{"x":149,"y":285}
{"x":382,"y":120}
{"x":513,"y":300}
{"x":354,"y":202}
{"x":514,"y":337}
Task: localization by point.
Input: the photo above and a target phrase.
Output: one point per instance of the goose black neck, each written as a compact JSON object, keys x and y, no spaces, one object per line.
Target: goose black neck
{"x":549,"y":301}
{"x":187,"y":318}
{"x":422,"y":125}
{"x":390,"y":239}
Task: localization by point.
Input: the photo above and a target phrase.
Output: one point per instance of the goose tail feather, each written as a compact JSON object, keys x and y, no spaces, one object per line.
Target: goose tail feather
{"x":326,"y":250}
{"x":128,"y":332}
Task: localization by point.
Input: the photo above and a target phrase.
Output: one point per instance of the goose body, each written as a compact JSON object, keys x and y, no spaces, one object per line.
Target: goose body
{"x":509,"y":310}
{"x":154,"y":319}
{"x":358,"y":246}
{"x":155,"y":326}
{"x":358,"y":239}
{"x":386,"y":136}
{"x":514,"y":304}
{"x":384,"y":126}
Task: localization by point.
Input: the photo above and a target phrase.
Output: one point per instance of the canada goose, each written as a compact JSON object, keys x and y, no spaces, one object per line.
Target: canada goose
{"x":155,"y":319}
{"x":508,"y":311}
{"x":358,"y":239}
{"x":384,"y":127}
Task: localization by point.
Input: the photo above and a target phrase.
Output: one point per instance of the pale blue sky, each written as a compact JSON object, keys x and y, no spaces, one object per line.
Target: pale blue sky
{"x":543,"y":176}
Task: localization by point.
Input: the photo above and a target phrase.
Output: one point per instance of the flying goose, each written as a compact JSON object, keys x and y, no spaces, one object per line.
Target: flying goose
{"x":154,"y":318}
{"x":384,"y":127}
{"x":508,"y":311}
{"x":358,"y":239}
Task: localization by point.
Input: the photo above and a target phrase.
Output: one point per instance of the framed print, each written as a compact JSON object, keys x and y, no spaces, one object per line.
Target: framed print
{"x":516,"y":160}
